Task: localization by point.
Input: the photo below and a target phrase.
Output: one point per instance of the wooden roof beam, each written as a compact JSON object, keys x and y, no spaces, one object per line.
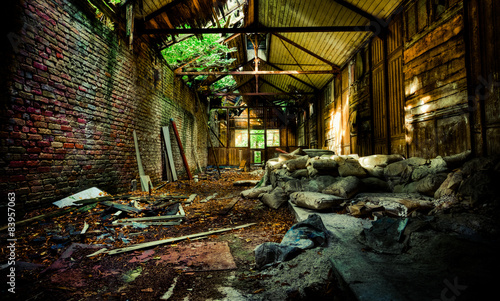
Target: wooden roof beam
{"x":292,"y":76}
{"x":359,"y":11}
{"x":209,"y":83}
{"x":260,"y":94}
{"x":252,"y":30}
{"x":165,"y":8}
{"x":334,"y":66}
{"x":260,"y":72}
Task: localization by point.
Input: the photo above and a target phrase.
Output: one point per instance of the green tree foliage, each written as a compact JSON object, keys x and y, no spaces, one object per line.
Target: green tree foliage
{"x":211,"y":54}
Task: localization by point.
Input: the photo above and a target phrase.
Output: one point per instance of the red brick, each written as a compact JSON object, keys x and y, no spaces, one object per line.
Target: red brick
{"x":40,"y":66}
{"x":16,"y":163}
{"x":69,"y":145}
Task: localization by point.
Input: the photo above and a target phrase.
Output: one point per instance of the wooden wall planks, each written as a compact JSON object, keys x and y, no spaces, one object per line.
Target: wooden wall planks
{"x":435,"y":82}
{"x":484,"y":65}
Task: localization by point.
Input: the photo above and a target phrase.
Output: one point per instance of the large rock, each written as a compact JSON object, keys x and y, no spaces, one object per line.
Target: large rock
{"x":346,"y":187}
{"x":315,"y":200}
{"x":351,"y":167}
{"x":275,"y":198}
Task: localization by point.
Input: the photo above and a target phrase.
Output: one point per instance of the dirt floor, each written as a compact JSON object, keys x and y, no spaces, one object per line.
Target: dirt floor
{"x":149,"y":274}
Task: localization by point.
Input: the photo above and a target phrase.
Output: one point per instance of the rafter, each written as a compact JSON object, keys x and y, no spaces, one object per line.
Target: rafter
{"x":334,"y":66}
{"x":259,"y":94}
{"x":260,"y":72}
{"x":292,"y":76}
{"x":168,"y":31}
{"x":358,"y":10}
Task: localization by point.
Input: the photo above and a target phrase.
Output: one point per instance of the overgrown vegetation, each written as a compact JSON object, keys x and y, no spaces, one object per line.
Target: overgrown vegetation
{"x":208,"y":53}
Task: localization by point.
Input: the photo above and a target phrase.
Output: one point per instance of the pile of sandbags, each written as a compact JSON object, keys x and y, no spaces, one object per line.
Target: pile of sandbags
{"x":312,"y":181}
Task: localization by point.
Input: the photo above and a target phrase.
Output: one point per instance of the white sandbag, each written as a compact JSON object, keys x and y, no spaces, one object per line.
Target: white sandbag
{"x":315,"y":200}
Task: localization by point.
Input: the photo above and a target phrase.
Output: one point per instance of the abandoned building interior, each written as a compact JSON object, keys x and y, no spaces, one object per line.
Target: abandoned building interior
{"x":250,"y":149}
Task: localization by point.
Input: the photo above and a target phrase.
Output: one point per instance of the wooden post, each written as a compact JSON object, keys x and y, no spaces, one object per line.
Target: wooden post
{"x":181,"y":149}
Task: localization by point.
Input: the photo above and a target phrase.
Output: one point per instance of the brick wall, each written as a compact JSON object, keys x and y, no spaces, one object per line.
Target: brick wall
{"x":74,"y":95}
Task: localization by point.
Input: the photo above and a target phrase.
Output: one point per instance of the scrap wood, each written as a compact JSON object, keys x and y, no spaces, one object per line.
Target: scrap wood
{"x":181,"y":211}
{"x":246,"y":183}
{"x":229,"y":206}
{"x":208,"y":198}
{"x":413,"y":205}
{"x":101,"y":199}
{"x":85,"y":228}
{"x":150,"y":218}
{"x":41,"y":217}
{"x":191,"y":198}
{"x":172,"y":240}
{"x":146,"y":223}
{"x":121,"y":207}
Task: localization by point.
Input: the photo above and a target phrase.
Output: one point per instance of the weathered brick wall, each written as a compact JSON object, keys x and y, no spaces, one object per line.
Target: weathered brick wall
{"x":75,"y":93}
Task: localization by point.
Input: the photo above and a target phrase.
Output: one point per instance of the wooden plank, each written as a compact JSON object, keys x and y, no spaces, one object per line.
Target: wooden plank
{"x":173,"y":240}
{"x":121,"y":207}
{"x":103,"y":198}
{"x":148,"y":223}
{"x":149,"y":218}
{"x":138,"y":155}
{"x":208,"y":198}
{"x":183,"y":155}
{"x":229,"y":206}
{"x":41,"y":217}
{"x":170,"y":157}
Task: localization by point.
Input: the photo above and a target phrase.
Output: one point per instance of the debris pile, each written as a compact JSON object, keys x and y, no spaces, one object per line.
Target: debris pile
{"x":320,"y":180}
{"x":143,"y":245}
